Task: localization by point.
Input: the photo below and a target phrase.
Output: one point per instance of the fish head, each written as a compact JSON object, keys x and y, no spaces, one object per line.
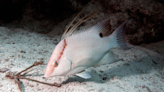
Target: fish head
{"x":58,"y":64}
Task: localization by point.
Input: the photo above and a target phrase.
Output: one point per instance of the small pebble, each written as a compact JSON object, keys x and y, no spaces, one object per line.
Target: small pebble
{"x":105,"y":78}
{"x":3,"y":70}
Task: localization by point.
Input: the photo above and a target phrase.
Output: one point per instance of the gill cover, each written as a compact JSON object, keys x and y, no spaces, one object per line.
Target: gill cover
{"x":63,"y":67}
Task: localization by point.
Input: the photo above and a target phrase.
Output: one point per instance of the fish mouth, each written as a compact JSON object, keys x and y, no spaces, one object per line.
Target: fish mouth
{"x":48,"y":72}
{"x":46,"y":76}
{"x":54,"y":74}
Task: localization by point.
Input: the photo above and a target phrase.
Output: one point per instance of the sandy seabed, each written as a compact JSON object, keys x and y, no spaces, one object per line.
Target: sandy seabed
{"x":141,"y":70}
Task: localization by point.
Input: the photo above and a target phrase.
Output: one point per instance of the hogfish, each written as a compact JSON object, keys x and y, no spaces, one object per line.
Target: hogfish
{"x":77,"y":52}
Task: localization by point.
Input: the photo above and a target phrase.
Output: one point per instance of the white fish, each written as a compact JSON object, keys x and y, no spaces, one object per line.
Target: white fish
{"x":77,"y":52}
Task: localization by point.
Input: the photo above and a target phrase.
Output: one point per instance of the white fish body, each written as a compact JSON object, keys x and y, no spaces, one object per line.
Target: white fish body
{"x":80,"y":51}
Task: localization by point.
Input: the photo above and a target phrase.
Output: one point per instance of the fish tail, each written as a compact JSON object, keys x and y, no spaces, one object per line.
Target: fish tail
{"x":118,"y":37}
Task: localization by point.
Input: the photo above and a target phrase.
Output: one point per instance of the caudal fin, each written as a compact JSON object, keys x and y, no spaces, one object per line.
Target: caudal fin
{"x":118,"y":37}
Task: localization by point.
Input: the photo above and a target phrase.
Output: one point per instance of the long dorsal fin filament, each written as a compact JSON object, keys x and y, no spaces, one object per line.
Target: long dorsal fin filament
{"x":68,"y":31}
{"x":83,"y":20}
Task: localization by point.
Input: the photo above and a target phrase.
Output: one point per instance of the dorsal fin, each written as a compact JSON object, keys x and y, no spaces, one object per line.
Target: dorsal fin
{"x":104,"y":27}
{"x":66,"y":30}
{"x":69,"y":32}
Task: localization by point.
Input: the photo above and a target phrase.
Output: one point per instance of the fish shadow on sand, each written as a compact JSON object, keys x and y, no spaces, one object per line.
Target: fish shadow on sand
{"x":123,"y":69}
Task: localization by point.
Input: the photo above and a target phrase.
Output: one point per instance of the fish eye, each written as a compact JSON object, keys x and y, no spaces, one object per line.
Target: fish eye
{"x":55,"y":63}
{"x":101,"y":35}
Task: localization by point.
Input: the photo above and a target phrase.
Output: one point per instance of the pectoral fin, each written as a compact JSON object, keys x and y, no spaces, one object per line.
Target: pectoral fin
{"x":84,"y":75}
{"x":107,"y":59}
{"x":86,"y":63}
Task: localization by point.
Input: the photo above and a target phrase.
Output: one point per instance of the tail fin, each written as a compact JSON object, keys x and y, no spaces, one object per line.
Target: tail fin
{"x":118,"y":37}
